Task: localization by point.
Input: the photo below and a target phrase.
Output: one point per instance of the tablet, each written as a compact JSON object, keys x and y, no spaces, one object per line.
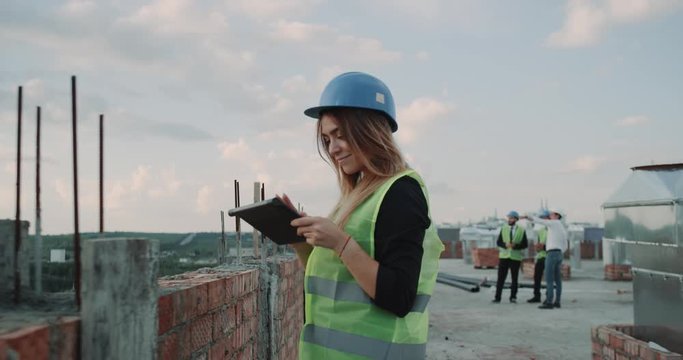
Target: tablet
{"x":271,"y":217}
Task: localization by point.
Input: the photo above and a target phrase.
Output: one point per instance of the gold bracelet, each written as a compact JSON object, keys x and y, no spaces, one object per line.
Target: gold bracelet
{"x":344,"y":247}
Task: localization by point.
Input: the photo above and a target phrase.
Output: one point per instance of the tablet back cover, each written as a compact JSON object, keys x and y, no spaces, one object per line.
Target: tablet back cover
{"x":272,"y":218}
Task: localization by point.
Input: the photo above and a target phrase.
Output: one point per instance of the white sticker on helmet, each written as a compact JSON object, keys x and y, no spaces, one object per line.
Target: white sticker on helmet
{"x":379,"y":97}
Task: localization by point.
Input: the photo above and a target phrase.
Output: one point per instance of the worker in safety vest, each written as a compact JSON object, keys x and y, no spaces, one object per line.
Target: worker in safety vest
{"x":539,"y":266}
{"x":371,"y":265}
{"x":511,"y":241}
{"x":556,"y":245}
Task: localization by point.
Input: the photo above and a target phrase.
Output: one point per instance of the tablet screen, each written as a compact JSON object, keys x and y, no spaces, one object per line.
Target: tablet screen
{"x":271,"y":217}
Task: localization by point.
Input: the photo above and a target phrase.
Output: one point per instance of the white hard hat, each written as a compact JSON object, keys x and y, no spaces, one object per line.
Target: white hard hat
{"x":557,"y":211}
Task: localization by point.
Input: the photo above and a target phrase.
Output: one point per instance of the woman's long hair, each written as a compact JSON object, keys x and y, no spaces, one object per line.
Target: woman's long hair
{"x":369,"y":136}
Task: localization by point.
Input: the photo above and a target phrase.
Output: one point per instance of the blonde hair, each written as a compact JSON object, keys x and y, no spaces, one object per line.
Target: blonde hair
{"x":369,"y":137}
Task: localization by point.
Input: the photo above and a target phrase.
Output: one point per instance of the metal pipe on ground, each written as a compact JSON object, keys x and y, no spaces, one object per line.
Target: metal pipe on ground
{"x":486,"y":282}
{"x":458,"y":284}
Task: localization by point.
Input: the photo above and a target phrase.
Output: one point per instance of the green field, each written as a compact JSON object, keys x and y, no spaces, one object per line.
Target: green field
{"x":200,"y":252}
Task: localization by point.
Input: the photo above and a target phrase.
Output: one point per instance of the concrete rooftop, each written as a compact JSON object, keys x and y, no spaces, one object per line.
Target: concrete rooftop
{"x":466,"y":325}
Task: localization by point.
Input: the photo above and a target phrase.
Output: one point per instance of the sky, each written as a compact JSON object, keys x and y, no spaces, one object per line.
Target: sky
{"x":500,"y":104}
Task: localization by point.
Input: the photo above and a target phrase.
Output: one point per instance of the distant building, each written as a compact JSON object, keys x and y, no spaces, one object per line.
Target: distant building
{"x":57,"y":255}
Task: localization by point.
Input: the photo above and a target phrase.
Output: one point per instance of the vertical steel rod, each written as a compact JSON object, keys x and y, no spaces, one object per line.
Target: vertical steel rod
{"x":101,"y":173}
{"x":77,"y":235}
{"x":223,"y":251}
{"x":237,"y":224}
{"x":38,"y":278}
{"x":17,"y":221}
{"x":254,"y":233}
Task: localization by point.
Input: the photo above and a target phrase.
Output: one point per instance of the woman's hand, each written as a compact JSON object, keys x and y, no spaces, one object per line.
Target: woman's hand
{"x":320,"y":231}
{"x":302,"y":248}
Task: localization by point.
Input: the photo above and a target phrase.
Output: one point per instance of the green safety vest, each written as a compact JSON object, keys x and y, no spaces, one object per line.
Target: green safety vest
{"x":517,"y":239}
{"x":341,"y":320}
{"x":542,"y":237}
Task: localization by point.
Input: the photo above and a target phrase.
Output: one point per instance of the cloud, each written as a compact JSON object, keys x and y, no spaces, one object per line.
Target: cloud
{"x":418,"y":116}
{"x":587,"y":20}
{"x":263,"y":10}
{"x":62,"y":190}
{"x":234,"y":150}
{"x":584,"y":164}
{"x":168,"y":184}
{"x":204,"y":197}
{"x":139,"y":178}
{"x":177,"y":17}
{"x":131,"y":126}
{"x":634,"y":120}
{"x":328,"y":41}
{"x":77,"y":8}
{"x":422,"y":56}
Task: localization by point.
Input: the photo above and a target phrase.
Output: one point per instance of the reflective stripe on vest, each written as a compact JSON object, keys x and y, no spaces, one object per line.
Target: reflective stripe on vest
{"x":362,"y":345}
{"x":341,"y":320}
{"x":542,"y":237}
{"x":351,"y":291}
{"x":517,"y":239}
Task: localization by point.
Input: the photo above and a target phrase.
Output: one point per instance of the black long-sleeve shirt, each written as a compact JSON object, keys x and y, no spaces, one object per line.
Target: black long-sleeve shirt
{"x":399,"y":232}
{"x":522,"y":245}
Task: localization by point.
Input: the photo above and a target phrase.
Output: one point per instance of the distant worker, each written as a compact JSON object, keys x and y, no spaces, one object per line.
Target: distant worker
{"x":511,"y":241}
{"x":555,"y":245}
{"x":539,"y":267}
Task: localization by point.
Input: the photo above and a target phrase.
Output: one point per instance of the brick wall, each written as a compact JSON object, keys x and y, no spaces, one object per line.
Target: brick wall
{"x":528,"y":270}
{"x":206,"y":314}
{"x":616,"y":272}
{"x":485,"y":257}
{"x":288,"y":312}
{"x":453,"y":249}
{"x":588,"y":250}
{"x":618,"y":342}
{"x":56,"y":340}
{"x":209,"y":314}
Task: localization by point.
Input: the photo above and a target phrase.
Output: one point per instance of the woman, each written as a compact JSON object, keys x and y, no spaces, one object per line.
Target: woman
{"x":371,"y":266}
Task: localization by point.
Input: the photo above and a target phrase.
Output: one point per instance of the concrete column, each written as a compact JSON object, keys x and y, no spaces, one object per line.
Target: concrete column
{"x":119,"y":299}
{"x":7,"y":255}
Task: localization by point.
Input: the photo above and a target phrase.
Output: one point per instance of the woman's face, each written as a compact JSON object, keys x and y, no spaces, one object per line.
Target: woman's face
{"x":337,"y":146}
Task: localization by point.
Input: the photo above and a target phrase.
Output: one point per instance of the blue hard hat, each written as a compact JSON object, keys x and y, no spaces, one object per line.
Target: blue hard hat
{"x":544,"y":214}
{"x":513,"y":214}
{"x":357,"y":90}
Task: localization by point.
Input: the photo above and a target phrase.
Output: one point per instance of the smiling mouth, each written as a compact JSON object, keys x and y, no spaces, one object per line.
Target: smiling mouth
{"x":343,"y":158}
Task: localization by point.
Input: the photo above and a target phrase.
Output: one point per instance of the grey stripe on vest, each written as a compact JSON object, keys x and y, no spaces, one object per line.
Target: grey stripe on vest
{"x":362,"y":345}
{"x":347,"y":291}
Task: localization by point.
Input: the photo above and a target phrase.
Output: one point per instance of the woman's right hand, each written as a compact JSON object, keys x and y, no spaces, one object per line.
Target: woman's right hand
{"x":301,"y":246}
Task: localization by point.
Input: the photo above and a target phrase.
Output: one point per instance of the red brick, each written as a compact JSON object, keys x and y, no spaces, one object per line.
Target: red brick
{"x":632,"y":347}
{"x":166,"y":314}
{"x":201,"y":330}
{"x":616,"y":341}
{"x":647,"y":354}
{"x":594,"y":332}
{"x":603,"y":334}
{"x":224,"y":321}
{"x":64,"y":338}
{"x":608,"y":352}
{"x":215,"y":293}
{"x":3,"y":350}
{"x":245,"y":353}
{"x":220,"y":349}
{"x":621,"y":356}
{"x":30,"y":343}
{"x":168,"y":346}
{"x":596,"y":348}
